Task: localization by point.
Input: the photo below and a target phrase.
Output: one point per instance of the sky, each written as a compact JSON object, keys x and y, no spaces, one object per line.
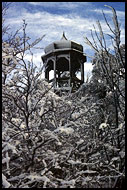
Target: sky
{"x":76,"y":19}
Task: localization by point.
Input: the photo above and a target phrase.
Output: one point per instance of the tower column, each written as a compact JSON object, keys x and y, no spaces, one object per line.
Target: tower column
{"x":46,"y":71}
{"x":82,"y":71}
{"x":47,"y":75}
{"x":70,"y":69}
{"x":54,"y":68}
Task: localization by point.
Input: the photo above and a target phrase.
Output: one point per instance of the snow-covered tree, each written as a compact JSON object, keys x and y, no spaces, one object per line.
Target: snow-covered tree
{"x":109,"y":75}
{"x":51,"y":141}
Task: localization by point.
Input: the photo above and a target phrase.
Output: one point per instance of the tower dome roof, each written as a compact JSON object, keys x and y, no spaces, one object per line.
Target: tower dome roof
{"x":63,"y":44}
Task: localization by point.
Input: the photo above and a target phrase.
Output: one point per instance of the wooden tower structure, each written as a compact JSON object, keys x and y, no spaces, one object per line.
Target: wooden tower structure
{"x":65,"y":58}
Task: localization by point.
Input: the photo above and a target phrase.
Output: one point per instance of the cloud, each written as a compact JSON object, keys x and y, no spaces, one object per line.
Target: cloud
{"x":60,"y":5}
{"x":120,"y":14}
{"x":52,"y":24}
{"x":36,"y":58}
{"x":88,"y":66}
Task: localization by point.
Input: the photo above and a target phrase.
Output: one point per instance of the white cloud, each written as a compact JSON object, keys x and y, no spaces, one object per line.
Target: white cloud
{"x":60,"y":5}
{"x":53,"y":25}
{"x":120,"y":14}
{"x":36,"y":58}
{"x":88,"y":66}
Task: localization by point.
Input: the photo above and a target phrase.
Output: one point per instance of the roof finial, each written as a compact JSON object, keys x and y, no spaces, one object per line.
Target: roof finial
{"x":63,"y":37}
